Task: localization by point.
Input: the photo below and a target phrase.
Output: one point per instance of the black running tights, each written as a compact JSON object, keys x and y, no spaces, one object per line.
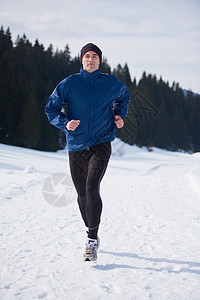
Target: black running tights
{"x":87,"y":168}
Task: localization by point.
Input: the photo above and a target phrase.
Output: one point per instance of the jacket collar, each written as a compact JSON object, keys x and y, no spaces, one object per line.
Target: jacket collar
{"x":94,"y":74}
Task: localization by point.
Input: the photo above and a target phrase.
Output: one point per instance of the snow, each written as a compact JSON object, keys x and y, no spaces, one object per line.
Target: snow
{"x":150,"y":247}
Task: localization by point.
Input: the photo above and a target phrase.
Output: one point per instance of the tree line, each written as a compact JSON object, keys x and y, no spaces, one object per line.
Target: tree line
{"x":159,"y":115}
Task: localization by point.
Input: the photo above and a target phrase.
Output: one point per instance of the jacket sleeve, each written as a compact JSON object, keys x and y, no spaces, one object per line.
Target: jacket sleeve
{"x":120,"y":105}
{"x":54,"y":106}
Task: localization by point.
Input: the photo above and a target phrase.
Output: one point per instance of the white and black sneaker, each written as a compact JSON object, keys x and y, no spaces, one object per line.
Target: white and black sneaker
{"x":90,"y":253}
{"x":98,"y":239}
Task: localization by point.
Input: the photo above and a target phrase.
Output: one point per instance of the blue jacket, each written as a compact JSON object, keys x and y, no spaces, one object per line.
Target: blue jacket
{"x":94,"y":99}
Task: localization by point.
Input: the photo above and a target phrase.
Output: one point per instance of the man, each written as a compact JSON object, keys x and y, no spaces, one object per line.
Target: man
{"x":97,"y":103}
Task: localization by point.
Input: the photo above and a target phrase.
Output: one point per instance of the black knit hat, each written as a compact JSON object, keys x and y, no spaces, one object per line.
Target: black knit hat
{"x":91,"y":47}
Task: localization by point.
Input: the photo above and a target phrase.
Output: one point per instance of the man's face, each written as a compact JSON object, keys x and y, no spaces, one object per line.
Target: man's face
{"x":90,"y":61}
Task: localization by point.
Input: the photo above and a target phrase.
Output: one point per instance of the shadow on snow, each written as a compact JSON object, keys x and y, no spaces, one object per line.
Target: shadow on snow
{"x":191,"y":264}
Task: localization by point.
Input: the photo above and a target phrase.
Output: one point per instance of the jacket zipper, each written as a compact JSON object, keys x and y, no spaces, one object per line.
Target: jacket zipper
{"x":91,"y":91}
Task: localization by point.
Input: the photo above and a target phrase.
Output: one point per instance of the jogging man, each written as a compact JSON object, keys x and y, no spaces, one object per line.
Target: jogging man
{"x":97,"y":103}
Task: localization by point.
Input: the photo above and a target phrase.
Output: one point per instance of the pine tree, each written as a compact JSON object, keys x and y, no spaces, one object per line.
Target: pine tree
{"x":105,"y":68}
{"x":163,"y":130}
{"x":6,"y":85}
{"x":118,"y":72}
{"x":123,"y":74}
{"x":28,"y":126}
{"x":127,"y":77}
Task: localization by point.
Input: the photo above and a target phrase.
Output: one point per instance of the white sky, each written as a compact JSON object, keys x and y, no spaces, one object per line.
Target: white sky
{"x":160,"y":37}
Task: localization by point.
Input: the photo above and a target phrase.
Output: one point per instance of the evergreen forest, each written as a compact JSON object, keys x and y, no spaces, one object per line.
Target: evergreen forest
{"x":159,"y":115}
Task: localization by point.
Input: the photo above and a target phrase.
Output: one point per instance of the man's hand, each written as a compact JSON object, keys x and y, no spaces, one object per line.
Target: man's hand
{"x":119,"y":121}
{"x":72,"y":125}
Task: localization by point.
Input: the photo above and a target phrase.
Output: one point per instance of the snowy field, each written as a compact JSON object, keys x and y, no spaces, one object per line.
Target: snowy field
{"x":150,"y":229}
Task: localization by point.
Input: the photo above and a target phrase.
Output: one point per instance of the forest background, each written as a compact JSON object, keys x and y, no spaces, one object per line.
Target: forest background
{"x":159,"y":115}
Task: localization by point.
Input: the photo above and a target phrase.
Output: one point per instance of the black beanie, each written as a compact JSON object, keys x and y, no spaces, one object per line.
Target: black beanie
{"x":91,"y":47}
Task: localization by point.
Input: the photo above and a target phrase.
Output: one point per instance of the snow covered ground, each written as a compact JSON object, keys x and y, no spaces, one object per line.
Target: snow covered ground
{"x":150,"y":229}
